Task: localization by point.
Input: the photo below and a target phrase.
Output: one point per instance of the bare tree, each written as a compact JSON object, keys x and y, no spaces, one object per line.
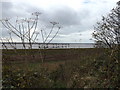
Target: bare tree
{"x":26,"y":30}
{"x":22,"y":29}
{"x":107,"y":32}
{"x":3,"y":44}
{"x":46,"y":37}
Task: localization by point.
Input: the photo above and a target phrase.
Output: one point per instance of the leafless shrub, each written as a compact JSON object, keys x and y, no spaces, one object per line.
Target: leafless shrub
{"x":26,"y":30}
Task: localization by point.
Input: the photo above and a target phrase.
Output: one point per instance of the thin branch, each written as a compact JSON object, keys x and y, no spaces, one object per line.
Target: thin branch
{"x":54,"y":35}
{"x":42,"y":36}
{"x":49,"y":33}
{"x":35,"y":27}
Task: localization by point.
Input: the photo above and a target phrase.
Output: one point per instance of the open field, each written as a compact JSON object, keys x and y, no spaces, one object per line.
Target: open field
{"x":51,"y":54}
{"x":62,"y":68}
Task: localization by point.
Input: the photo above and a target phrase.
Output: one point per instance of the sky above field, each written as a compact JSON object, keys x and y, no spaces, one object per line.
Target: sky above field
{"x":77,"y":17}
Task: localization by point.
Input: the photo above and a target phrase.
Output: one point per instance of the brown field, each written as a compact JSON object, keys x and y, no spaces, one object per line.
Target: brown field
{"x":62,"y":68}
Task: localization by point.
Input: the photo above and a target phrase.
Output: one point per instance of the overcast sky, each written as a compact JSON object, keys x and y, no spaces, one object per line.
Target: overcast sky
{"x":77,"y":17}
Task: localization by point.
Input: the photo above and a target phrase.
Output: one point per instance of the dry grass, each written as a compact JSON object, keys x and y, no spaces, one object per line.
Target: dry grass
{"x":62,"y":68}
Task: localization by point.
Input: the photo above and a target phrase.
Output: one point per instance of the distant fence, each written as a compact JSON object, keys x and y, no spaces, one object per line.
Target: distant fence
{"x":19,"y":45}
{"x":34,"y":45}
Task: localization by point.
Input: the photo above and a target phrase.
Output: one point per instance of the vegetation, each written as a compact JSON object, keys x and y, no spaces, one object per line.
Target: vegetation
{"x":107,"y":35}
{"x":28,"y":33}
{"x":65,"y":68}
{"x":108,"y":30}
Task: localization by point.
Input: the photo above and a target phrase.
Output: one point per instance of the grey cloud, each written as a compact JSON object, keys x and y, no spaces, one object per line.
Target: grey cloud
{"x":7,"y":5}
{"x":6,"y":9}
{"x":30,"y":9}
{"x":64,"y":15}
{"x":67,"y":16}
{"x":71,"y":20}
{"x":4,"y":32}
{"x":11,"y":10}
